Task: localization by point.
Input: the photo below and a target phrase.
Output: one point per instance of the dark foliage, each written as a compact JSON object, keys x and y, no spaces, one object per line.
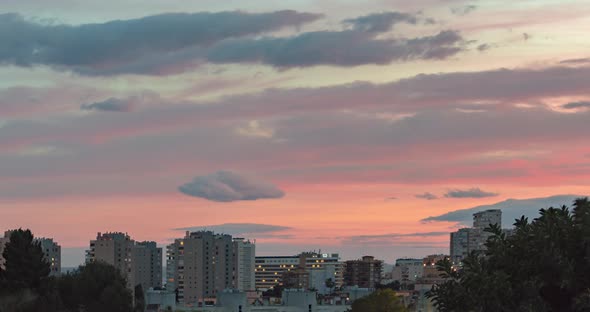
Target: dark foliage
{"x":25,"y":266}
{"x":95,"y":287}
{"x":383,"y":300}
{"x":543,"y":266}
{"x":25,"y":285}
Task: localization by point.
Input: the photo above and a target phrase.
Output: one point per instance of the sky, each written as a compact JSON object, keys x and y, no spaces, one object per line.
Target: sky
{"x":365,"y":127}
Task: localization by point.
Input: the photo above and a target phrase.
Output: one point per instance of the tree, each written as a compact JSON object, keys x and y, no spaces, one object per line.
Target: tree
{"x":395,"y":286}
{"x":543,"y":266}
{"x":383,"y":300}
{"x":330,"y":284}
{"x":275,"y":292}
{"x":25,"y":267}
{"x":95,"y":287}
{"x":25,"y":284}
{"x":139,"y":299}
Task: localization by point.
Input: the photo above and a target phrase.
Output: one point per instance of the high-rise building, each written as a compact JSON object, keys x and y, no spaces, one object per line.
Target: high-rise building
{"x":139,"y":263}
{"x":364,"y":273}
{"x":460,"y":244}
{"x":200,"y":265}
{"x":116,"y":250}
{"x":318,"y":268}
{"x":484,"y":219}
{"x":245,"y":255}
{"x":146,"y":260}
{"x":51,"y":254}
{"x":467,"y":240}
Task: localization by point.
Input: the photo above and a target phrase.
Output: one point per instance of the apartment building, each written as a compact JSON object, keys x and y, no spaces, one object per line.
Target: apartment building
{"x":364,"y":273}
{"x":203,"y":264}
{"x":316,"y":267}
{"x":139,"y":262}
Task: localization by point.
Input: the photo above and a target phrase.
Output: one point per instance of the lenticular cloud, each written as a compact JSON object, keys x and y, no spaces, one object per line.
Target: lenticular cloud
{"x":225,"y":186}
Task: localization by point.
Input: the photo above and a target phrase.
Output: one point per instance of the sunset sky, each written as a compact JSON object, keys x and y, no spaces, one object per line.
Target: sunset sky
{"x":304,"y":124}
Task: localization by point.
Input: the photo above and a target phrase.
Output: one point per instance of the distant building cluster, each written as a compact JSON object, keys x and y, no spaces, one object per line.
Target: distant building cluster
{"x":217,"y":272}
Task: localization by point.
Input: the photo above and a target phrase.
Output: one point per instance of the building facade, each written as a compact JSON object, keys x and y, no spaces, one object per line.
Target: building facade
{"x":146,"y":259}
{"x":140,"y":263}
{"x":269,"y":271}
{"x":51,"y":254}
{"x":364,"y":273}
{"x":467,"y":240}
{"x":407,"y":270}
{"x":316,"y":267}
{"x":203,"y":264}
{"x":245,"y":256}
{"x":115,"y":249}
{"x":483,"y":219}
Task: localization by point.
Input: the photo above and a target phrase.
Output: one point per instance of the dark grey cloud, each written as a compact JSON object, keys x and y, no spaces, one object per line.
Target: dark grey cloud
{"x":511,"y":209}
{"x":463,"y":10}
{"x":576,"y":61}
{"x":337,"y":48}
{"x":574,"y":105}
{"x":474,"y":192}
{"x":177,"y":42}
{"x":237,"y":228}
{"x":484,"y":47}
{"x":427,"y":196}
{"x":100,"y":47}
{"x":380,"y":22}
{"x":526,"y":36}
{"x":225,"y":186}
{"x":109,"y":105}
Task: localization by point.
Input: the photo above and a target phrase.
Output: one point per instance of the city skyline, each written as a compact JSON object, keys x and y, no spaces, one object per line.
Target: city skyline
{"x":355,"y":127}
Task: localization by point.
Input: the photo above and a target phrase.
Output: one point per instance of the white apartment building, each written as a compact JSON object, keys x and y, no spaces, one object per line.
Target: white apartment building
{"x":245,"y":255}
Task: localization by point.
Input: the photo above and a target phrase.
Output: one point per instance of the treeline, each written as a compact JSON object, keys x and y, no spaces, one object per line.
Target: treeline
{"x":544,"y":265}
{"x":25,"y":284}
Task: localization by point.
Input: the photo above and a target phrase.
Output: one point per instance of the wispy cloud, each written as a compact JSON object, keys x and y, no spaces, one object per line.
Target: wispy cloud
{"x":574,"y":105}
{"x":474,"y":192}
{"x":109,"y":105}
{"x":238,"y":228}
{"x":427,"y":196}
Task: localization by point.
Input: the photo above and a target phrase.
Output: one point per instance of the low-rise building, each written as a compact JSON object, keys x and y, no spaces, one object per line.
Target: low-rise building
{"x":407,"y":270}
{"x":317,"y":267}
